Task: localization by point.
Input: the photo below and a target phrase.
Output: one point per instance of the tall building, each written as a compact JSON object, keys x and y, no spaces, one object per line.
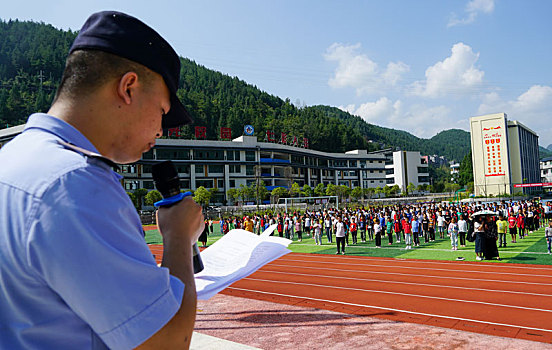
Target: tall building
{"x":228,"y":164}
{"x":504,"y":155}
{"x":546,"y":169}
{"x":405,"y":167}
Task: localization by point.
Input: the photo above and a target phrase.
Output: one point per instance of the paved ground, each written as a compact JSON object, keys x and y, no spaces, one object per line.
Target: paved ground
{"x":267,"y":325}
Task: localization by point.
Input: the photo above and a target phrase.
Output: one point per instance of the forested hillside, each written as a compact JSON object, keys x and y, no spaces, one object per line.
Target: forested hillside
{"x":32,"y":57}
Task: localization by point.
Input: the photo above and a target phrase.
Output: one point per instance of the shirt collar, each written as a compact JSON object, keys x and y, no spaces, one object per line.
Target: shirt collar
{"x":60,"y":128}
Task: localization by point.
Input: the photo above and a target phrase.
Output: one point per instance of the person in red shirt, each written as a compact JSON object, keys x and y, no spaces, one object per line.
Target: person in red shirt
{"x":521,"y":224}
{"x":353,"y":229}
{"x":407,"y":233}
{"x":512,"y":222}
{"x":397,"y":228}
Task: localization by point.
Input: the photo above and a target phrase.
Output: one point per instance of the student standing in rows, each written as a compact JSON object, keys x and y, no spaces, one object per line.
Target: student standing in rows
{"x":389,"y":230}
{"x":328,"y":227}
{"x":462,"y":230}
{"x":441,"y":225}
{"x":425,"y":227}
{"x":362,"y":228}
{"x":377,"y":233}
{"x":416,"y":230}
{"x":407,"y":229}
{"x":512,"y":223}
{"x":431,"y":227}
{"x":340,"y":236}
{"x":353,"y":229}
{"x":548,"y":235}
{"x":453,"y":232}
{"x":501,"y":226}
{"x":298,"y":229}
{"x":317,"y":233}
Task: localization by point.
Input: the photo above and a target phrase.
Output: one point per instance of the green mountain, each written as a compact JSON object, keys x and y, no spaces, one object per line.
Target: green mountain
{"x":544,"y":152}
{"x":32,"y":56}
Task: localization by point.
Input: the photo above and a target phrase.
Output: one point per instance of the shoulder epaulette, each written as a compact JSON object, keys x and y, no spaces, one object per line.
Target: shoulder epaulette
{"x":89,"y":154}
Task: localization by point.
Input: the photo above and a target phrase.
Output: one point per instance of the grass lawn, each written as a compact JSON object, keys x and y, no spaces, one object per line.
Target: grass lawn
{"x":530,"y":250}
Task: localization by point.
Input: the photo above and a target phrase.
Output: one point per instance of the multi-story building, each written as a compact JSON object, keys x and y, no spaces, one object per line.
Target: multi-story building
{"x":546,"y":169}
{"x":224,"y":165}
{"x":405,"y":167}
{"x":504,"y":155}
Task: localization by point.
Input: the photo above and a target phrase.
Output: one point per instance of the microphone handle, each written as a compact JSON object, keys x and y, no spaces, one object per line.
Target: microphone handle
{"x":198,"y":263}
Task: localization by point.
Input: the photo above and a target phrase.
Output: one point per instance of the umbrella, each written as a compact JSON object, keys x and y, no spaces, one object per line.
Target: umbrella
{"x":484,"y":212}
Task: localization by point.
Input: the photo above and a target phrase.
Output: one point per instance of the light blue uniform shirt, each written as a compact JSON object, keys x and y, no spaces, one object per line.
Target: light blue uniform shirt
{"x":75,"y":272}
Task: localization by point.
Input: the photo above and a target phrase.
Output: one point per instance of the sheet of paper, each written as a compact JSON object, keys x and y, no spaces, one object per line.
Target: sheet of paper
{"x":236,"y":255}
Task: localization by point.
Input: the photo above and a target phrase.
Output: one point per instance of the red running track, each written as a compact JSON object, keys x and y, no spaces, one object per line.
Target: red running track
{"x":508,"y":300}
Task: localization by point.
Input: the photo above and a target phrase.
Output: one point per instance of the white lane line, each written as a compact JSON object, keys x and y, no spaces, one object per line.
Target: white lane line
{"x":421,"y":261}
{"x":400,"y":294}
{"x":392,"y":309}
{"x":425,"y":268}
{"x":412,"y":275}
{"x":408,"y":283}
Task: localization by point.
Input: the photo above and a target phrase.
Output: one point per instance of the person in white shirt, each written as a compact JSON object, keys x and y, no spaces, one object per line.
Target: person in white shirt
{"x":340,"y":236}
{"x":377,"y":233}
{"x":441,"y":225}
{"x":462,"y":230}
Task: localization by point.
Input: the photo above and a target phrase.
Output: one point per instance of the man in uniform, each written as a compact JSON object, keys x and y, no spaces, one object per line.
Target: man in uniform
{"x":75,"y":272}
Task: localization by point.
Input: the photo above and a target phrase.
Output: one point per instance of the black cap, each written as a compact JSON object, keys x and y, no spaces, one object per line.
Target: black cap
{"x":128,"y":37}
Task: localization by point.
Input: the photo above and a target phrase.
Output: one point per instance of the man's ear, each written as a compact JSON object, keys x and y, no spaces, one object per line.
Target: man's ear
{"x":126,"y":86}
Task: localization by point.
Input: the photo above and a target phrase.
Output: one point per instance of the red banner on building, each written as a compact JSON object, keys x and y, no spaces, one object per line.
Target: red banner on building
{"x":538,"y":184}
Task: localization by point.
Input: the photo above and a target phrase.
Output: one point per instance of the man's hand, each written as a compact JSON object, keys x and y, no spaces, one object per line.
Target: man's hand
{"x":180,"y":224}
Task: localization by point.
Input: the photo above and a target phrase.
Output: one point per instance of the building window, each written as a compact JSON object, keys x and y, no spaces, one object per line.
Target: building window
{"x":216,"y":168}
{"x":249,"y":170}
{"x":232,"y":183}
{"x":216,"y":154}
{"x":173,"y":153}
{"x":184,"y":168}
{"x":220,"y":183}
{"x":199,"y":169}
{"x":148,"y":185}
{"x":185,"y":184}
{"x":207,"y":183}
{"x":146,"y":168}
{"x":352,"y":164}
{"x":148,"y":154}
{"x":249,"y":156}
{"x":234,"y":169}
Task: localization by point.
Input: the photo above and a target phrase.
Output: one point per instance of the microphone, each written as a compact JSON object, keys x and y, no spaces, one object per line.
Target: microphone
{"x":167,"y":183}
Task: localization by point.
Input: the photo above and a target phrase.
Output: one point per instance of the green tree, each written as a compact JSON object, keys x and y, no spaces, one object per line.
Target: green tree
{"x":202,"y":196}
{"x":140,"y":193}
{"x":410,"y":188}
{"x":319,"y":190}
{"x":132,"y":197}
{"x":260,"y":191}
{"x":357,"y":193}
{"x":295,"y":189}
{"x":278,"y":193}
{"x":331,"y":190}
{"x":233,"y":195}
{"x":465,"y":171}
{"x":152,"y":197}
{"x":308,"y":191}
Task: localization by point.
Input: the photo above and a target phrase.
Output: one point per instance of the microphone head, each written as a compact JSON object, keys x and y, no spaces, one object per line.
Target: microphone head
{"x":166,"y":178}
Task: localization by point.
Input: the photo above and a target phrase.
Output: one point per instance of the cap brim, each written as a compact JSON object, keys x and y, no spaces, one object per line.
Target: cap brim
{"x":177,"y":116}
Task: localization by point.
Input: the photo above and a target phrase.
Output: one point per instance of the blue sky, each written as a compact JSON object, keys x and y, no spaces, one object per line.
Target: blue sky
{"x":420,"y":66}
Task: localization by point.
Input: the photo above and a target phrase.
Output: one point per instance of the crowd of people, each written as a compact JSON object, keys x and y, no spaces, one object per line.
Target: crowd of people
{"x":486,"y":224}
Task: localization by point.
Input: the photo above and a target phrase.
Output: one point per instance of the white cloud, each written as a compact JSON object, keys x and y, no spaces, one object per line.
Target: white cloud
{"x":358,"y":71}
{"x":473,"y":9}
{"x":456,"y":74}
{"x":420,"y":120}
{"x":533,"y":108}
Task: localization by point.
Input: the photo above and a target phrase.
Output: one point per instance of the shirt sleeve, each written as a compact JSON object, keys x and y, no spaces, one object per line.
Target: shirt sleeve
{"x":85,"y":242}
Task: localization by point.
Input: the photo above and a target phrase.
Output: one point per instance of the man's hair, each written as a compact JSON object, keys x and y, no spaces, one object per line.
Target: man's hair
{"x":87,"y":70}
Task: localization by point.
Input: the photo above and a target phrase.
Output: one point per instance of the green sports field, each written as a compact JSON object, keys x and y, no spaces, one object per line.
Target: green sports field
{"x":530,"y":250}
